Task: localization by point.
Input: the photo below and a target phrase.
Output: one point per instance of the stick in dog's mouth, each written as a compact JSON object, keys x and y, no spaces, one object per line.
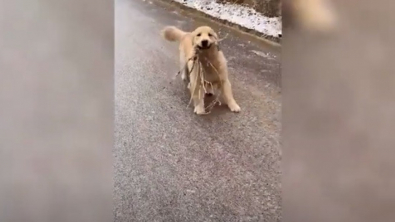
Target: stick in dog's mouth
{"x":198,"y":63}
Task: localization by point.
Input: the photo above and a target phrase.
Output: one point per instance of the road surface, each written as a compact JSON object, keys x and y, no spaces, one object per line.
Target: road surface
{"x":172,"y":165}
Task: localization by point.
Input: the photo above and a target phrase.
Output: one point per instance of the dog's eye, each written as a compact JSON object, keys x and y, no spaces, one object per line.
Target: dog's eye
{"x":210,"y":35}
{"x":199,"y":34}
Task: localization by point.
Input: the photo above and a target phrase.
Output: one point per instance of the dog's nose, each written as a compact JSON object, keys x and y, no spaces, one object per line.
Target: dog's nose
{"x":205,"y":43}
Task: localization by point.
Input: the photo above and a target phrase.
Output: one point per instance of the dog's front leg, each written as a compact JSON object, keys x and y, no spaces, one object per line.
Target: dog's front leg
{"x":228,"y":96}
{"x":184,"y":67}
{"x":197,"y":94}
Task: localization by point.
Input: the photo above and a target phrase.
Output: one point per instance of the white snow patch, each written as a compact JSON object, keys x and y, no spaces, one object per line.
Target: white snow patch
{"x":237,"y":14}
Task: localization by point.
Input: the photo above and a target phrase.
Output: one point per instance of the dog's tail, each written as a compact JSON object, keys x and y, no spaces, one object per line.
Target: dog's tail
{"x":171,"y":33}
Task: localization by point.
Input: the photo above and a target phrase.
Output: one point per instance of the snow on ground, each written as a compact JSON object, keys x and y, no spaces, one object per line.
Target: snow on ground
{"x":237,"y":14}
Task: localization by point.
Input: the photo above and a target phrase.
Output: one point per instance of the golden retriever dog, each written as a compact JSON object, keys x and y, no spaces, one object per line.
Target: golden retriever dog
{"x":203,"y":43}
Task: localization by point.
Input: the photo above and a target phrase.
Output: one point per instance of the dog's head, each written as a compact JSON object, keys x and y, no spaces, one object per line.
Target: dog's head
{"x":204,"y":37}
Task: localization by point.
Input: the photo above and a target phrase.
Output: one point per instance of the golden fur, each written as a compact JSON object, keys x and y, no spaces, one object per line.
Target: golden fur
{"x":213,"y":62}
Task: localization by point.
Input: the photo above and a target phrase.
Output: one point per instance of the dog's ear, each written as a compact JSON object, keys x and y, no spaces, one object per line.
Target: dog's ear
{"x":216,"y":41}
{"x":193,"y":38}
{"x":215,"y":35}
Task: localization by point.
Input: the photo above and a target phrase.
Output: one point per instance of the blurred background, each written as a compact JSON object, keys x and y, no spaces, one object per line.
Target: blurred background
{"x":338,"y":115}
{"x":56,"y":118}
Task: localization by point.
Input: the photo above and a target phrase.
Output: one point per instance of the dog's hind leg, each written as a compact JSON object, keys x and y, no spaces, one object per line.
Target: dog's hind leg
{"x":183,"y":67}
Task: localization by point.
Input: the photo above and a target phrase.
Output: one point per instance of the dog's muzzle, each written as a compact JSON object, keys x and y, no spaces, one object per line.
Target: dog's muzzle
{"x":203,"y":48}
{"x":205,"y":44}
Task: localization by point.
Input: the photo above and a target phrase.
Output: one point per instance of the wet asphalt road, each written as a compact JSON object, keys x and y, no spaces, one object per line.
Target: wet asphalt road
{"x":172,"y":165}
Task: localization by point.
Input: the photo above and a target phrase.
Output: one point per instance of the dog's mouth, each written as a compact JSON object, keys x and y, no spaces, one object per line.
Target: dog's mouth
{"x":203,"y":47}
{"x":204,"y":44}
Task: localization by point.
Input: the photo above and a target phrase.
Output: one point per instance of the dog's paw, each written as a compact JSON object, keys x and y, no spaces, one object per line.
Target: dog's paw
{"x":200,"y":110}
{"x":234,"y":107}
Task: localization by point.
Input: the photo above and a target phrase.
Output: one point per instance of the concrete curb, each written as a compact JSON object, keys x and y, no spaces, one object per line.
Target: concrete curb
{"x":269,"y":39}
